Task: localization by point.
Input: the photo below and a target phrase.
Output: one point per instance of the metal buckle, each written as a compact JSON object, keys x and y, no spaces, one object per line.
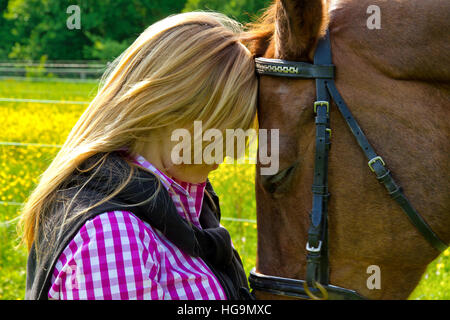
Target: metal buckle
{"x":321,"y":103}
{"x":318,"y":286}
{"x":373,"y":160}
{"x":314,"y":249}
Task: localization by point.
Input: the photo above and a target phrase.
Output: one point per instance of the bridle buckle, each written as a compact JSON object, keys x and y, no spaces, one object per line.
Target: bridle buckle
{"x":321,"y":103}
{"x":312,"y":295}
{"x":373,"y":160}
{"x":314,"y":249}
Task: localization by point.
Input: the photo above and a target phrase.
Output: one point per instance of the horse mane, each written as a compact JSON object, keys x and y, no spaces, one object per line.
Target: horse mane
{"x":259,"y":33}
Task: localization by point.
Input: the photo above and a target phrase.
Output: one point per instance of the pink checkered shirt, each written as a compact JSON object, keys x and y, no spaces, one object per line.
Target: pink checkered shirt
{"x":116,"y":255}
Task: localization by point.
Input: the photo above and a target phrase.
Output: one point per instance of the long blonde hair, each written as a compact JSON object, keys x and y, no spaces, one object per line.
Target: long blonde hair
{"x":186,"y":67}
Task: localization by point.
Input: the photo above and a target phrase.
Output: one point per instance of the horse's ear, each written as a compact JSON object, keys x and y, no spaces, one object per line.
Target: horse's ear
{"x":298,"y":26}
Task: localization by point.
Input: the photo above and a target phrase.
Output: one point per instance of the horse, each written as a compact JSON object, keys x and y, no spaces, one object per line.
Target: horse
{"x":395,"y":79}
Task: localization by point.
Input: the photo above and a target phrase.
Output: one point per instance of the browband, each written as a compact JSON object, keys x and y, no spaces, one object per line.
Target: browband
{"x":284,"y":68}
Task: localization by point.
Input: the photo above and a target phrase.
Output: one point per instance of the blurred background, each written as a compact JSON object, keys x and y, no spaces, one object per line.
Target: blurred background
{"x":50,"y":64}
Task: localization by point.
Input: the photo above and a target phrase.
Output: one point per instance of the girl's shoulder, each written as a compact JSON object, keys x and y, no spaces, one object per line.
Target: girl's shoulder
{"x":111,"y":243}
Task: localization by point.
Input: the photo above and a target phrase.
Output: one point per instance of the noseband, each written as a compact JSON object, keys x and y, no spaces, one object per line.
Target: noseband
{"x":317,"y":285}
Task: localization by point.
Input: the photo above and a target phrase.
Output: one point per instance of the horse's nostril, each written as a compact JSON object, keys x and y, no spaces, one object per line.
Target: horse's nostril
{"x":279,"y":182}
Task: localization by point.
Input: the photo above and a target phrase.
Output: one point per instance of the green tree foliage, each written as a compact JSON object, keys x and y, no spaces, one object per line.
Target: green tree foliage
{"x":31,"y":29}
{"x":7,"y":39}
{"x":241,"y":10}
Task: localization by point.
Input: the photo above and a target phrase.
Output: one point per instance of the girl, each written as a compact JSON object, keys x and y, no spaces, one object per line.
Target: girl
{"x":114,"y":216}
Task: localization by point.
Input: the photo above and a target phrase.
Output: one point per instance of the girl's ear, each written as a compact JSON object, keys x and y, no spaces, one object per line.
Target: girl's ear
{"x":298,"y":26}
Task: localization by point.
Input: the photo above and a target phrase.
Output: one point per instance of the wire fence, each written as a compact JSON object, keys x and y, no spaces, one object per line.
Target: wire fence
{"x":43,"y":101}
{"x":13,"y":203}
{"x":43,"y":79}
{"x":29,"y":144}
{"x":71,"y":70}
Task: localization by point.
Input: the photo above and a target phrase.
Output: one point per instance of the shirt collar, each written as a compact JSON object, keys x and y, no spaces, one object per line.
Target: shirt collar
{"x":179,"y":186}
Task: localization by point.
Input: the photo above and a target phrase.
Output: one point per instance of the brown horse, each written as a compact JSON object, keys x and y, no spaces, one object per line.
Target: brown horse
{"x":396,"y":81}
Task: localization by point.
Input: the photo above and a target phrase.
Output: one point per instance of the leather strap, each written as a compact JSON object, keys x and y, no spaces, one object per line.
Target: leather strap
{"x":317,"y":246}
{"x":295,"y":288}
{"x":378,"y":166}
{"x":283,"y":68}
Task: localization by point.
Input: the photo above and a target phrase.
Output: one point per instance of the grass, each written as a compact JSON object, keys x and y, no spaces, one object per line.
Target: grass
{"x":21,"y":167}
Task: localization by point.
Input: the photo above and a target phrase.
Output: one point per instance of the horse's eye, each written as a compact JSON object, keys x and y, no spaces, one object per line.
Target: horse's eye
{"x":279,"y":182}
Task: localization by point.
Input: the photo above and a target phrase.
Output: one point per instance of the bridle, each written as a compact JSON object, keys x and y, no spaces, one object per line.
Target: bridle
{"x":316,"y":285}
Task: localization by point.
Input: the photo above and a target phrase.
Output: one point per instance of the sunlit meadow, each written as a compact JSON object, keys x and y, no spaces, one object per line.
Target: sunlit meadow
{"x":21,"y":167}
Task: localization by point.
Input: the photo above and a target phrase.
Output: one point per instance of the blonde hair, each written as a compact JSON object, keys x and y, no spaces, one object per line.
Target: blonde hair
{"x":187,"y":67}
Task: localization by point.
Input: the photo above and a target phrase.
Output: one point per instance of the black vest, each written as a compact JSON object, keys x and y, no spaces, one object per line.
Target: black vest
{"x":212,"y":243}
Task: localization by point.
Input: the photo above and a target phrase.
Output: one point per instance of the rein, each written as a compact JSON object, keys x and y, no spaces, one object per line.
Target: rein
{"x":316,"y":285}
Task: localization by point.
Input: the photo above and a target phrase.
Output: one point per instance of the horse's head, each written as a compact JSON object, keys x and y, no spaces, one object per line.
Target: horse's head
{"x":366,"y":228}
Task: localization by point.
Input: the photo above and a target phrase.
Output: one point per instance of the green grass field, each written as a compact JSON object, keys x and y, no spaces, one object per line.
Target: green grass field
{"x":21,"y":167}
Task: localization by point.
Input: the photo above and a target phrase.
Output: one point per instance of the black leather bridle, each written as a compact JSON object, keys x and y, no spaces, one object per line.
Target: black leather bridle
{"x":316,"y":285}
